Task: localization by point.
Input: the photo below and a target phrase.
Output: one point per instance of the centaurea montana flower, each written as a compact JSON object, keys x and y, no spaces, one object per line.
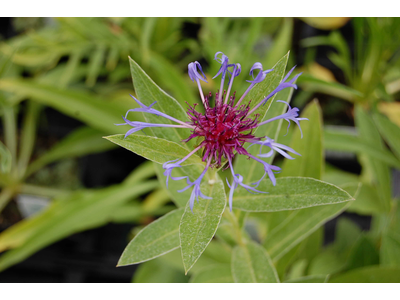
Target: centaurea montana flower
{"x":224,"y":128}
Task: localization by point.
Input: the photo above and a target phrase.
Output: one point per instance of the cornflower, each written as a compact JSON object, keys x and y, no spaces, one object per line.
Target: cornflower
{"x":224,"y":129}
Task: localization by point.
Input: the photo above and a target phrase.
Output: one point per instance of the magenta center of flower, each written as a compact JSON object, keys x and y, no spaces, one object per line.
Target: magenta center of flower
{"x":222,"y":129}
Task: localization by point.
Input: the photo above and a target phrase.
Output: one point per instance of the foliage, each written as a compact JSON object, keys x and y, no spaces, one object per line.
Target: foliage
{"x":250,"y":261}
{"x":80,"y":67}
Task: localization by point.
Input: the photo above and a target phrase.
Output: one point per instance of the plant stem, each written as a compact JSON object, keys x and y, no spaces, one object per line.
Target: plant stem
{"x":238,"y":231}
{"x":10,"y":131}
{"x":28,"y":136}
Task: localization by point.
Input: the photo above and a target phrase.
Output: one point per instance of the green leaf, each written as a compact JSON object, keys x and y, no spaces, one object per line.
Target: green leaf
{"x":173,"y":79}
{"x":82,"y":141}
{"x":362,"y":254}
{"x":197,"y":228}
{"x":373,"y":274}
{"x":312,"y":84}
{"x":28,"y":135}
{"x":342,"y":140}
{"x":148,"y":92}
{"x":154,"y":149}
{"x":310,"y":163}
{"x":339,"y":177}
{"x":367,"y":200}
{"x":327,"y":262}
{"x":96,"y":60}
{"x":376,"y":172}
{"x":281,"y":42}
{"x":174,"y":259}
{"x":335,"y":256}
{"x":251,"y":263}
{"x":390,"y":249}
{"x":5,"y":159}
{"x":157,"y":271}
{"x":220,"y":273}
{"x":297,"y":269}
{"x":299,"y":225}
{"x":310,"y":279}
{"x":90,"y":109}
{"x":69,"y":214}
{"x":303,"y":254}
{"x":218,"y":251}
{"x":389,"y":131}
{"x":156,"y":239}
{"x":290,"y":193}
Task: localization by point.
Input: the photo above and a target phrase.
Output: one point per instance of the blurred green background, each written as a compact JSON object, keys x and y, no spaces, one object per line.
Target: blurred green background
{"x":70,"y":200}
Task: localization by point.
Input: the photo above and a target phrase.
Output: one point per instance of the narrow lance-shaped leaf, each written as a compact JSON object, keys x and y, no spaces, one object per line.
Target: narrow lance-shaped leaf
{"x":156,"y":239}
{"x":197,"y":228}
{"x":95,"y":64}
{"x":341,"y":140}
{"x":92,"y":110}
{"x":376,"y":172}
{"x":310,"y":83}
{"x":213,"y":274}
{"x":158,"y":271}
{"x":81,"y":210}
{"x":371,"y":274}
{"x":251,"y":263}
{"x":389,"y":131}
{"x":297,"y":226}
{"x":5,"y":159}
{"x":161,"y":151}
{"x":310,"y":279}
{"x":173,"y":79}
{"x":154,"y":149}
{"x":390,"y":249}
{"x":148,"y":92}
{"x":310,"y":164}
{"x":290,"y":193}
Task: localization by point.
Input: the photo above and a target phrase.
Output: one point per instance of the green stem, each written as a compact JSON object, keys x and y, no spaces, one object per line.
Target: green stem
{"x":28,"y":136}
{"x":10,"y":131}
{"x":238,"y":231}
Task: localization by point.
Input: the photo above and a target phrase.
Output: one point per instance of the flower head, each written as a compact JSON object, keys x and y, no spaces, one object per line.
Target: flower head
{"x":223,"y":130}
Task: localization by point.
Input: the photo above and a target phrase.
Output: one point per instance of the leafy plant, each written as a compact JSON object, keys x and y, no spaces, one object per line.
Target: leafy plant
{"x":304,"y":203}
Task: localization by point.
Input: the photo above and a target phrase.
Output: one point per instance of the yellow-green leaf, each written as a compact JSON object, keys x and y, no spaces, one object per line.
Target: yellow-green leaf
{"x":154,"y":149}
{"x":290,"y":193}
{"x":156,"y":239}
{"x":197,"y":228}
{"x":251,"y":263}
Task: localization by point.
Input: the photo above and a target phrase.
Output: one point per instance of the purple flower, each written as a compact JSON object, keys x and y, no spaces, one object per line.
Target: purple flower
{"x":291,"y":114}
{"x":279,"y":88}
{"x":224,"y":130}
{"x":196,"y":192}
{"x":237,"y":180}
{"x":274,"y":147}
{"x":259,"y":78}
